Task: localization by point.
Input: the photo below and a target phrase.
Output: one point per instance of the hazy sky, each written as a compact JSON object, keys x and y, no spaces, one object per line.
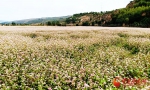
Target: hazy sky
{"x":25,"y":9}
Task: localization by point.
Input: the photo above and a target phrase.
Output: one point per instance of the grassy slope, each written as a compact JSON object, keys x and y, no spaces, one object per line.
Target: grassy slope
{"x":135,"y":14}
{"x":39,"y":20}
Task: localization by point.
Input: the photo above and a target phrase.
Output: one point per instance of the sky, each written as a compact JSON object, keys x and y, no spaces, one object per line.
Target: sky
{"x":26,"y":9}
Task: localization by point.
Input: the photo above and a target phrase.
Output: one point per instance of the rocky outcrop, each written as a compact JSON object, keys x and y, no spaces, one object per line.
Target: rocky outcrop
{"x":131,"y":4}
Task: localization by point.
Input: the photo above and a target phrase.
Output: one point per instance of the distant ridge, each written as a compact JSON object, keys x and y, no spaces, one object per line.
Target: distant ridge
{"x":37,"y":20}
{"x":135,"y":14}
{"x":1,"y":21}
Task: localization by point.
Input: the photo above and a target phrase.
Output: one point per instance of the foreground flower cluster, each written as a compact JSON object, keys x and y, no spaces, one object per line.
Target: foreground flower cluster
{"x":66,"y":59}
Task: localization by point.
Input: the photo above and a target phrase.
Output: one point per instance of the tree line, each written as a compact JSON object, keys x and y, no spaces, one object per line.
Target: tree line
{"x":136,"y":14}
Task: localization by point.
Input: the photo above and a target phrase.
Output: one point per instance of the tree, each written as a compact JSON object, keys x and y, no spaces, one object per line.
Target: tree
{"x":126,"y":20}
{"x":145,"y":22}
{"x":68,"y":20}
{"x":58,"y":23}
{"x":86,"y":23}
{"x":93,"y":23}
{"x":100,"y":22}
{"x":13,"y":24}
{"x":49,"y":23}
{"x":53,"y":23}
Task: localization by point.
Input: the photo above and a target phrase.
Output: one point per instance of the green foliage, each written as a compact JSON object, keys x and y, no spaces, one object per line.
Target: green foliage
{"x":132,"y":16}
{"x":72,"y":19}
{"x":86,"y":23}
{"x":32,"y":35}
{"x":145,"y":22}
{"x":49,"y":23}
{"x":148,"y":73}
{"x":123,"y":35}
{"x":13,"y":24}
{"x":136,"y":15}
{"x":62,"y":59}
{"x":58,"y":23}
{"x":42,"y":20}
{"x":132,"y":49}
{"x":93,"y":23}
{"x":75,"y":19}
{"x":141,"y":3}
{"x":86,"y":13}
{"x":134,"y":73}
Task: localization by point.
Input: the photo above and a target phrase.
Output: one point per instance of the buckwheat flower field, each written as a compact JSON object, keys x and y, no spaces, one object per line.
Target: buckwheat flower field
{"x":74,"y":58}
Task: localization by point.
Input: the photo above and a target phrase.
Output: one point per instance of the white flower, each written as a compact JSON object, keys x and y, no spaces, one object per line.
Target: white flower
{"x":86,"y":85}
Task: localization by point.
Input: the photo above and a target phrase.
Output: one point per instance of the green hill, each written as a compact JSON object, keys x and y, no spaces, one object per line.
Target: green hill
{"x":41,"y":20}
{"x":36,"y":21}
{"x":136,"y":14}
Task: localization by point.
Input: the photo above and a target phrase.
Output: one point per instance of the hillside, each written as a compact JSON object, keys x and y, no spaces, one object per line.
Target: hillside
{"x":1,"y":21}
{"x":136,"y":13}
{"x":42,"y":20}
{"x":38,"y":20}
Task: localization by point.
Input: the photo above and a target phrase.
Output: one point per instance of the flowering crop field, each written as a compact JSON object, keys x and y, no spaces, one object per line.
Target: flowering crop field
{"x":42,"y":58}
